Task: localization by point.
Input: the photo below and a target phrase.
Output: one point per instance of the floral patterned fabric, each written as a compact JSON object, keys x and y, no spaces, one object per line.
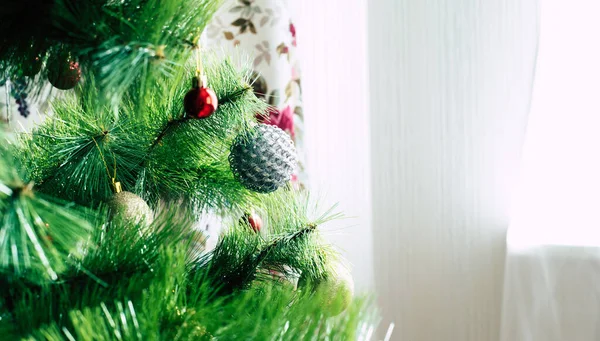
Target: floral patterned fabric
{"x":263,"y":30}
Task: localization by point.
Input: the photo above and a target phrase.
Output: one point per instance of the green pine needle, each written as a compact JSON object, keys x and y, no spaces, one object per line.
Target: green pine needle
{"x":70,"y":272}
{"x":37,"y":232}
{"x":89,"y":143}
{"x":120,"y":42}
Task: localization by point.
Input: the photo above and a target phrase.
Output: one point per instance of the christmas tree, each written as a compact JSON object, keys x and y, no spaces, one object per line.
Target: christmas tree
{"x":146,"y":134}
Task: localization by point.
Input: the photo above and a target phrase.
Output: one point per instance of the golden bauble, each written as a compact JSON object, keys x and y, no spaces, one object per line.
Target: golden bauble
{"x":129,"y":208}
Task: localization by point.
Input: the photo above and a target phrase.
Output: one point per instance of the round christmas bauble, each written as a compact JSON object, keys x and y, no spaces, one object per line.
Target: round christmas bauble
{"x":253,"y":220}
{"x":264,"y":159}
{"x":64,"y":73}
{"x":129,"y":208}
{"x":200,"y":102}
{"x":335,"y":290}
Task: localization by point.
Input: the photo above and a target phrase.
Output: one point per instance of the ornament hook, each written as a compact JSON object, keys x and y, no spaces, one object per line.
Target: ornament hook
{"x":117,"y":186}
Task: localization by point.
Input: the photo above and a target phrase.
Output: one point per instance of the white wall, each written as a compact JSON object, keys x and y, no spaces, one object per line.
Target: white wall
{"x":450,"y":87}
{"x":332,"y":43}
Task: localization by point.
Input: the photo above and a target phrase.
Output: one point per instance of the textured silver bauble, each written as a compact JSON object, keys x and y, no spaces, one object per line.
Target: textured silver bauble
{"x":264,"y":159}
{"x":128,"y":208}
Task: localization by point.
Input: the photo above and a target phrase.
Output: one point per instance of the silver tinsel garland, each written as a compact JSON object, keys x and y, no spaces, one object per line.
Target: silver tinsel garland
{"x":264,"y":159}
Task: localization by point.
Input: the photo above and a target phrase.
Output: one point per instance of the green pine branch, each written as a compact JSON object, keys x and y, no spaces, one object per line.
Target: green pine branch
{"x":120,"y":42}
{"x":291,"y":244}
{"x":143,"y":145}
{"x":72,"y":273}
{"x":145,"y":263}
{"x":37,"y":232}
{"x":256,"y":315}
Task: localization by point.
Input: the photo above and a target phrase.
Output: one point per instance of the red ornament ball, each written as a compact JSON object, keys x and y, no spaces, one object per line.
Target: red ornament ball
{"x":64,"y":73}
{"x":200,"y":102}
{"x":253,"y":220}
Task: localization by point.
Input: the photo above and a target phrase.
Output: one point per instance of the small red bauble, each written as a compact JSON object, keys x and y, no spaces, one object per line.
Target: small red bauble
{"x":63,"y":72}
{"x":253,"y":220}
{"x":200,"y":102}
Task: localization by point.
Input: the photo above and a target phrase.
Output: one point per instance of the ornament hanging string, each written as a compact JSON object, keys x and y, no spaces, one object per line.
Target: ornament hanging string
{"x":200,"y":68}
{"x":116,"y":185}
{"x":125,"y":207}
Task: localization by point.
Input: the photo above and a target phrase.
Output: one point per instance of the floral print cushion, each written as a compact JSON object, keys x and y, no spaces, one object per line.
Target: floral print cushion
{"x":263,"y":29}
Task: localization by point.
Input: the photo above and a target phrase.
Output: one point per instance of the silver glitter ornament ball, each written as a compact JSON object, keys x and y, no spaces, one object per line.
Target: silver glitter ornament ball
{"x":264,"y":159}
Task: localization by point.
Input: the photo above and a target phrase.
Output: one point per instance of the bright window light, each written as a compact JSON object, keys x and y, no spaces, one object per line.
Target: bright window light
{"x":558,"y":201}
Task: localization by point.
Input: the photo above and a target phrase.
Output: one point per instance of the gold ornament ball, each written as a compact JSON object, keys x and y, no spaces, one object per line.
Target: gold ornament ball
{"x":129,"y":208}
{"x":336,"y":289}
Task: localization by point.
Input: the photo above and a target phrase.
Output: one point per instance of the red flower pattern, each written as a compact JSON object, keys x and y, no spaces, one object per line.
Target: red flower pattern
{"x":283,"y":119}
{"x":293,"y":32}
{"x":262,"y":28}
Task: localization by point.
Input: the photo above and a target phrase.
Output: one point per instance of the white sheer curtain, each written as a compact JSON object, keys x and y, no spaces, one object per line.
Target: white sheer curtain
{"x":552,"y":279}
{"x":450,"y":87}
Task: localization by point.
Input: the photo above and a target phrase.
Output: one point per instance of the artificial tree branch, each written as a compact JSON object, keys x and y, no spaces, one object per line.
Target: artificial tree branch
{"x":284,"y":240}
{"x":94,"y":139}
{"x":278,"y":242}
{"x":245,"y":270}
{"x":173,"y":124}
